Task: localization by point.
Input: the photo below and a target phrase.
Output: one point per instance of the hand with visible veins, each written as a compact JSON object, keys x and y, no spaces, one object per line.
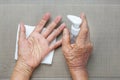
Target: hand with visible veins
{"x":77,"y":54}
{"x":32,"y":50}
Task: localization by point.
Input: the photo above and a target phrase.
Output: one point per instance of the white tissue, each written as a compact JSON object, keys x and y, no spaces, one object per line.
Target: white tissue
{"x":29,"y":29}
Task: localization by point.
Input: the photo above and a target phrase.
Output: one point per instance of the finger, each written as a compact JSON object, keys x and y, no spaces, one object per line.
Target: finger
{"x":83,"y":34}
{"x":56,"y":45}
{"x":66,"y":39}
{"x":56,"y":32}
{"x":42,"y":23}
{"x":22,"y":32}
{"x":50,"y":27}
{"x":88,"y":35}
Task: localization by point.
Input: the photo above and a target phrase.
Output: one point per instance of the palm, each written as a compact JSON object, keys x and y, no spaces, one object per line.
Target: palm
{"x":36,"y":47}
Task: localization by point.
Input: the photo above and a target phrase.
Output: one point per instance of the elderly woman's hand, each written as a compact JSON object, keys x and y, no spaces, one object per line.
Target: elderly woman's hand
{"x":32,"y":50}
{"x":77,"y":54}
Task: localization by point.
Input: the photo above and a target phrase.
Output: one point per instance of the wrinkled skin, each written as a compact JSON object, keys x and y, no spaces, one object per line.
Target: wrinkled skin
{"x":77,"y":54}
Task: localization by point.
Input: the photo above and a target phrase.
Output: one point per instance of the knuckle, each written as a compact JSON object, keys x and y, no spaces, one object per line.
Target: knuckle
{"x":48,"y":29}
{"x":82,"y":46}
{"x":90,"y":45}
{"x":41,"y":23}
{"x":65,"y":49}
{"x":54,"y":46}
{"x":52,"y":37}
{"x":86,"y":30}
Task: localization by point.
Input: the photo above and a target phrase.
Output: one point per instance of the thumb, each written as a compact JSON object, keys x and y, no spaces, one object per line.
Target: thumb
{"x":22,"y":32}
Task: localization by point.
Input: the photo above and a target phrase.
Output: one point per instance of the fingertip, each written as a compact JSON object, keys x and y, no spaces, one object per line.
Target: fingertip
{"x":22,"y":31}
{"x":63,"y":24}
{"x":57,"y":19}
{"x":22,"y":26}
{"x":82,"y":15}
{"x":60,"y":17}
{"x":46,"y":16}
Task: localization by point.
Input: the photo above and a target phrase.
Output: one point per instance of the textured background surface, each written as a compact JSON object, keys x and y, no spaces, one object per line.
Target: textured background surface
{"x":104,"y":21}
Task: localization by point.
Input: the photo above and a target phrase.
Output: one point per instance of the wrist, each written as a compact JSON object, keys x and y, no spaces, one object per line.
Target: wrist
{"x":23,"y":69}
{"x":77,"y":68}
{"x":79,"y":73}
